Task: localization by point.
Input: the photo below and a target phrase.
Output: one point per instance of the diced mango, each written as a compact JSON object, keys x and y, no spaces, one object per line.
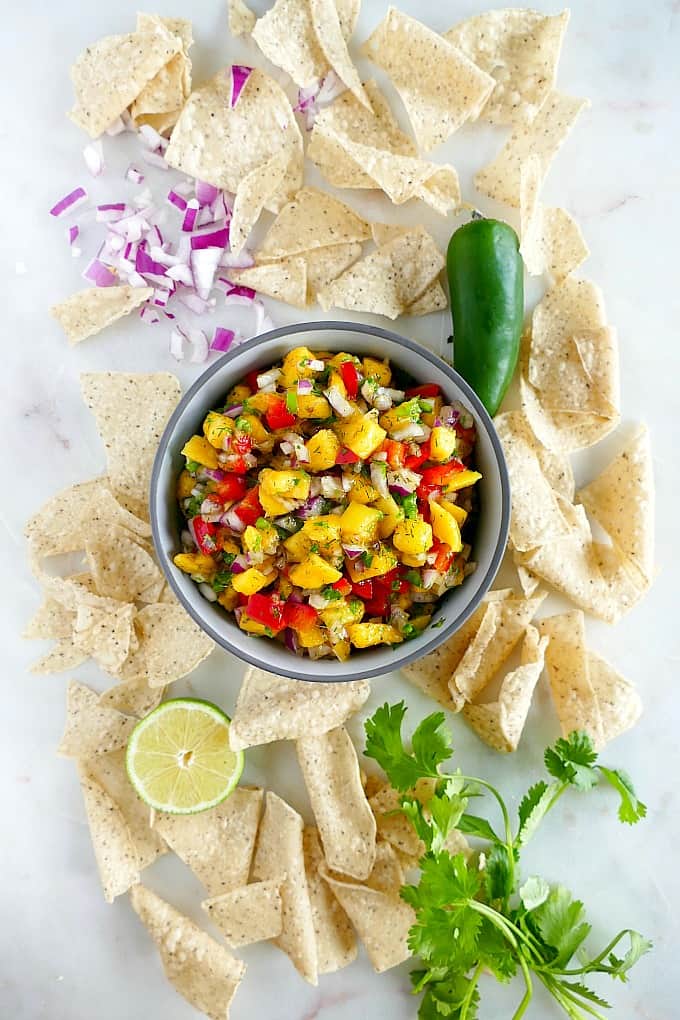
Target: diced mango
{"x":383,"y":560}
{"x":445,"y":527}
{"x":257,"y":431}
{"x":361,"y":434}
{"x":274,"y":506}
{"x":340,"y":358}
{"x":251,"y":580}
{"x":237,"y":394}
{"x":323,"y":530}
{"x":442,"y":443}
{"x":412,"y":536}
{"x":361,"y":491}
{"x":392,"y":514}
{"x":246,"y":623}
{"x":228,"y":598}
{"x":310,"y":405}
{"x":196,"y":563}
{"x":336,"y":382}
{"x":288,"y":484}
{"x":216,"y":427}
{"x":323,"y":448}
{"x":421,"y":622}
{"x":365,"y":635}
{"x":359,"y":524}
{"x":428,"y":417}
{"x":339,"y":614}
{"x":311,"y":638}
{"x":455,"y":511}
{"x":295,"y":366}
{"x":341,"y":650}
{"x":461,"y":480}
{"x":297,"y":546}
{"x":313,"y":573}
{"x":261,"y":401}
{"x":263,"y":539}
{"x":285,"y":588}
{"x":378,"y":370}
{"x":185,"y":483}
{"x":199,"y":449}
{"x":414,"y":561}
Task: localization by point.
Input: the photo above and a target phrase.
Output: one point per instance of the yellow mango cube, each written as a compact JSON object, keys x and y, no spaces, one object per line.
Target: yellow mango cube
{"x":199,"y":449}
{"x":323,"y":449}
{"x":228,"y":598}
{"x":274,"y":506}
{"x":216,"y":427}
{"x":365,"y":635}
{"x":295,"y":366}
{"x":445,"y":527}
{"x":361,"y":434}
{"x":237,"y":394}
{"x":313,"y":573}
{"x":339,"y":614}
{"x":264,"y":539}
{"x":382,"y":561}
{"x":341,"y":650}
{"x":455,"y":511}
{"x":414,"y":561}
{"x":442,"y":443}
{"x":336,"y":382}
{"x":287,"y":484}
{"x":246,"y":623}
{"x":461,"y":480}
{"x":196,"y":563}
{"x":260,"y":401}
{"x":378,"y":370}
{"x":297,"y":546}
{"x":392,"y":514}
{"x":428,"y":417}
{"x":311,"y":638}
{"x":412,"y":537}
{"x":359,"y":524}
{"x":362,"y":491}
{"x":185,"y":484}
{"x":322,"y":530}
{"x":251,"y":580}
{"x":310,"y":405}
{"x":256,"y":429}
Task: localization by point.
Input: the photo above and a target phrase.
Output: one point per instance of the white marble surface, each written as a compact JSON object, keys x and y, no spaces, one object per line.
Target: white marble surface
{"x":65,"y":954}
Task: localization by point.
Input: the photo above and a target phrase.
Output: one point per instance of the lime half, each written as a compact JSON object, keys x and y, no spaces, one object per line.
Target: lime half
{"x":179,"y":759}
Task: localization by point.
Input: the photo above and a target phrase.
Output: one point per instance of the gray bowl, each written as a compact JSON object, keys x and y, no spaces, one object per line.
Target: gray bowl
{"x":209,"y":390}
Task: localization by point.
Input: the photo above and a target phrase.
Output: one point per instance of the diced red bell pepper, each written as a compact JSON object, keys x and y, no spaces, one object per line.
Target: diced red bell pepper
{"x":251,"y":379}
{"x":467,"y":435}
{"x":346,"y":457}
{"x":242,"y":599}
{"x":350,"y":377}
{"x":343,"y":586}
{"x":250,"y":508}
{"x":205,"y":535}
{"x":364,"y":589}
{"x":426,"y":492}
{"x":414,"y":460}
{"x":395,"y":453}
{"x":445,"y":557}
{"x":426,"y":390}
{"x":236,"y":463}
{"x":424,"y":510}
{"x":300,"y":616}
{"x":241,"y":442}
{"x":378,"y":606}
{"x":230,"y":489}
{"x":438,"y":475}
{"x":278,"y":416}
{"x":267,"y":610}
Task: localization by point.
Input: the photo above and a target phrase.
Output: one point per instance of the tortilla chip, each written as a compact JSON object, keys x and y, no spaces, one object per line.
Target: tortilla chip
{"x":220,"y":144}
{"x":167,"y":90}
{"x":104,"y":635}
{"x":89,"y":311}
{"x":330,"y":769}
{"x":314,"y":219}
{"x":566,"y":659}
{"x":109,"y":771}
{"x":551,"y":239}
{"x":503,"y":624}
{"x":279,"y":857}
{"x":619,"y":703}
{"x":251,"y":913}
{"x":122,"y":569}
{"x":163,"y":123}
{"x":171,"y":646}
{"x":336,"y":945}
{"x":285,"y":280}
{"x":621,"y":499}
{"x":114,"y":848}
{"x":109,"y":75}
{"x":131,"y":412}
{"x":543,"y":137}
{"x":65,"y":654}
{"x":134,"y":698}
{"x":91,"y":728}
{"x":565,"y":431}
{"x":51,"y":620}
{"x":390,"y":279}
{"x":286,"y":36}
{"x":272,"y":708}
{"x":433,"y":299}
{"x":381,"y":919}
{"x":536,"y":516}
{"x":330,"y":37}
{"x":440,"y":87}
{"x":529,"y":583}
{"x":197,"y":966}
{"x":395,"y":827}
{"x":500,"y":723}
{"x":520,"y":49}
{"x":253,"y":193}
{"x":326,"y":264}
{"x":241,"y":18}
{"x":218,"y":844}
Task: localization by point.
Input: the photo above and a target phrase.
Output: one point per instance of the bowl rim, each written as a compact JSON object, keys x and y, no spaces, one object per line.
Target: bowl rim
{"x":358,"y":671}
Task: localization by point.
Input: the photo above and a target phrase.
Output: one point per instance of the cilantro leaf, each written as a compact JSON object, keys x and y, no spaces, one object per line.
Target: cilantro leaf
{"x":631,"y":810}
{"x":583,"y":992}
{"x":571,"y":760}
{"x":431,"y":743}
{"x":498,"y":874}
{"x":638,"y":947}
{"x":384,"y":743}
{"x":533,"y":809}
{"x":560,"y":920}
{"x":534,"y":892}
{"x":445,"y":809}
{"x":446,"y":937}
{"x":413,"y":809}
{"x":495,"y":953}
{"x":471,"y":825}
{"x":451,"y":995}
{"x":444,"y":880}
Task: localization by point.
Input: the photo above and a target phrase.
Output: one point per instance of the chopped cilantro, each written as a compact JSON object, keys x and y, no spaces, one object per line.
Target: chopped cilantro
{"x":269,"y":632}
{"x":192,"y":506}
{"x":221,"y":581}
{"x":261,"y":524}
{"x":331,"y":594}
{"x":409,"y":631}
{"x":413,"y":577}
{"x":426,"y":406}
{"x":440,"y":623}
{"x":366,"y":558}
{"x":192,"y":466}
{"x":243,"y":425}
{"x":314,"y":547}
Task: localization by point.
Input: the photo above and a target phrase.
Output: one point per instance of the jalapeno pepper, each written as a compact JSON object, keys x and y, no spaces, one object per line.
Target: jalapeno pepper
{"x":486,"y":280}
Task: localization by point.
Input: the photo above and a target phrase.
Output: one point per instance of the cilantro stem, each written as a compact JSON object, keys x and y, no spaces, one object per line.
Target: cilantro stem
{"x":505,"y":927}
{"x":467,"y":1001}
{"x":509,"y":840}
{"x":596,"y":962}
{"x":569,"y":1001}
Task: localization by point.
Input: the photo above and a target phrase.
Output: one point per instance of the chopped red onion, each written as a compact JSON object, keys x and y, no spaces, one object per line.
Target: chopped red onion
{"x":117,"y":127}
{"x":199,"y":346}
{"x":267,"y":378}
{"x":316,"y":365}
{"x":235,"y":523}
{"x":151,"y":139}
{"x":213,"y":239}
{"x":72,"y":233}
{"x":332,"y":86}
{"x":290,"y":639}
{"x":134,"y":175}
{"x":206,"y":193}
{"x":154,"y":159}
{"x":161,"y":296}
{"x":207,"y":592}
{"x":135,"y":280}
{"x":353,"y":551}
{"x":304,"y":386}
{"x":236,"y":409}
{"x":239,"y":76}
{"x":182,"y":274}
{"x":338,"y":402}
{"x":204,"y":266}
{"x":263,"y":323}
{"x":237,"y":290}
{"x":69,"y":202}
{"x":147,"y":266}
{"x":176,"y":199}
{"x":222,"y":339}
{"x":190,"y":215}
{"x":244,"y":260}
{"x":110,"y":212}
{"x":93,"y":154}
{"x":177,"y":339}
{"x":313,"y":507}
{"x":192,"y":301}
{"x":149,"y":315}
{"x":379,"y":478}
{"x":100,"y":275}
{"x":429,"y":578}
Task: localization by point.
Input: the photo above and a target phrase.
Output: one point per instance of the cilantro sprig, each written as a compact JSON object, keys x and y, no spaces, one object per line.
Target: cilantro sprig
{"x":472,"y":914}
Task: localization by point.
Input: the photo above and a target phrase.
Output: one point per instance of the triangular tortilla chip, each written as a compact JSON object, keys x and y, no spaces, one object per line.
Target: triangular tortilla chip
{"x":440,"y":87}
{"x":272,"y":708}
{"x":131,"y":412}
{"x":220,"y":144}
{"x":330,"y":37}
{"x":110,"y":74}
{"x":565,"y":431}
{"x":252,"y":195}
{"x":122,"y":569}
{"x":520,"y":49}
{"x":621,"y":499}
{"x":551,"y":239}
{"x":286,"y":36}
{"x":619,"y":703}
{"x":566,"y":660}
{"x":89,"y":311}
{"x":500,"y":723}
{"x":251,"y":913}
{"x":171,"y":646}
{"x":133,"y":698}
{"x":312,"y":220}
{"x":167,"y":90}
{"x":241,"y":18}
{"x":51,"y":620}
{"x":218,"y":844}
{"x":65,"y":654}
{"x":91,"y":728}
{"x":431,"y":300}
{"x":336,"y":945}
{"x":105,"y":636}
{"x":112,"y":842}
{"x":326,"y":264}
{"x":330,"y":769}
{"x":543,"y":137}
{"x":285,"y":280}
{"x":395,"y":827}
{"x":279,"y":853}
{"x":200,"y":969}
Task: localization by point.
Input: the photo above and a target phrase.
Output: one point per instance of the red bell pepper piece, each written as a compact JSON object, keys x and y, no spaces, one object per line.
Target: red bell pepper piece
{"x":445,"y":557}
{"x":426,"y":390}
{"x":395,"y":453}
{"x":378,"y":606}
{"x":250,"y":508}
{"x":364,"y":589}
{"x":346,"y":457}
{"x":251,"y":379}
{"x":236,"y":463}
{"x":439,"y":474}
{"x":426,"y":492}
{"x":300,"y":616}
{"x":267,"y":610}
{"x":343,"y":586}
{"x":278,"y":416}
{"x":241,"y":442}
{"x":414,"y":460}
{"x":230,"y":489}
{"x":350,"y":377}
{"x":205,"y":532}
